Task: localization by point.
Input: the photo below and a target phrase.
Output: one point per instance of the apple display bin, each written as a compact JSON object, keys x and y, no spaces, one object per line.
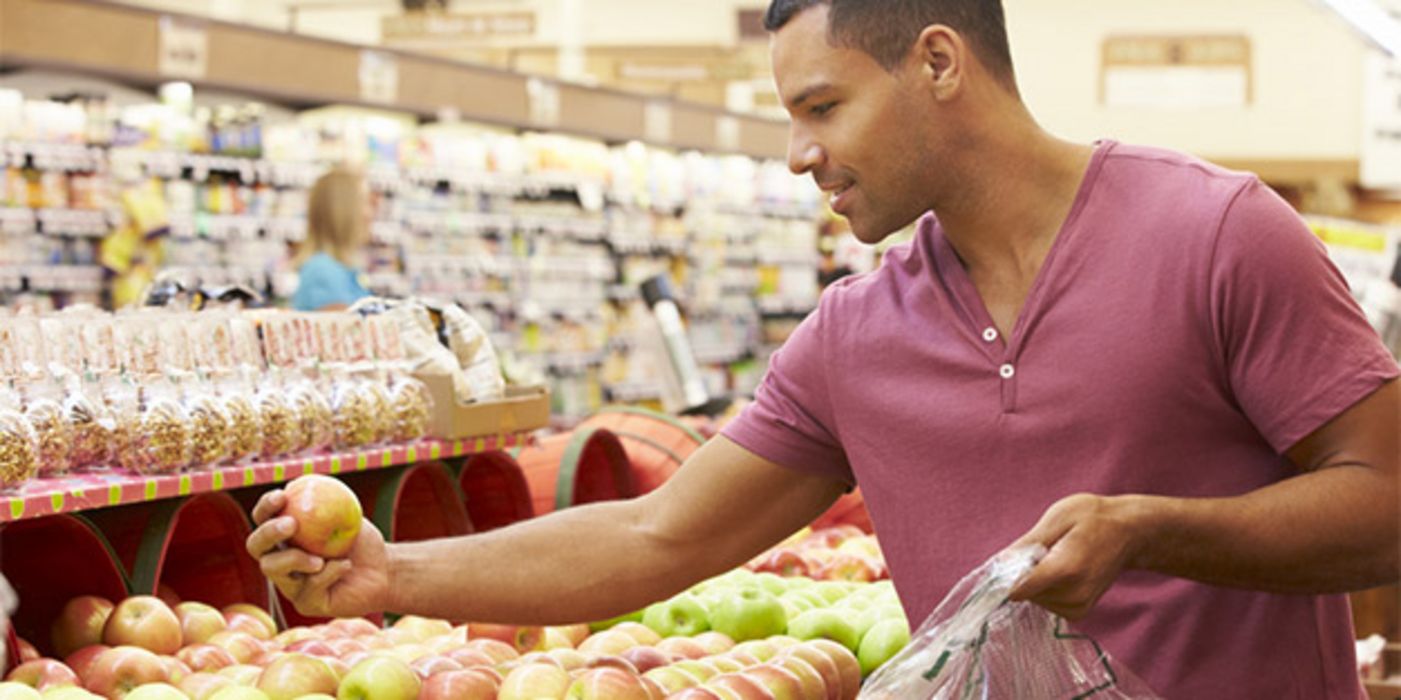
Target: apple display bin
{"x":850,"y":509}
{"x":494,"y":490}
{"x":192,"y":546}
{"x":656,"y":443}
{"x":583,"y":466}
{"x":50,"y":560}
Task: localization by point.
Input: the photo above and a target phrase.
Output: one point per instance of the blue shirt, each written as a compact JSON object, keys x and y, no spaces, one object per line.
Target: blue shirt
{"x":324,"y":280}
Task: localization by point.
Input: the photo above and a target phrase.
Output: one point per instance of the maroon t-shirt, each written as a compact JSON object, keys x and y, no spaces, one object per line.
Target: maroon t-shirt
{"x":1185,"y":330}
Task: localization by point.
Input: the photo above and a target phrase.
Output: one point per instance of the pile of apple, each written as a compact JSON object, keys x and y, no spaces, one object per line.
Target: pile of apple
{"x":839,"y":553}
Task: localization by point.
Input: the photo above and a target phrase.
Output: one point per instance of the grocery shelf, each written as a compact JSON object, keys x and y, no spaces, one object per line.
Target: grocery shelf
{"x":104,"y":489}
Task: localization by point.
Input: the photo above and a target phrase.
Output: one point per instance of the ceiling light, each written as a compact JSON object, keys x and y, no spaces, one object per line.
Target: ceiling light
{"x":1373,"y":21}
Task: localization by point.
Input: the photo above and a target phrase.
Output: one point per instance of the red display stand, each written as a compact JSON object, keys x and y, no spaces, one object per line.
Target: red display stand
{"x":495,"y":491}
{"x":656,"y":443}
{"x":584,"y":466}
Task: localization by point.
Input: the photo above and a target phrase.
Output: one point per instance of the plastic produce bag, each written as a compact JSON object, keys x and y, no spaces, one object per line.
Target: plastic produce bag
{"x":977,"y":644}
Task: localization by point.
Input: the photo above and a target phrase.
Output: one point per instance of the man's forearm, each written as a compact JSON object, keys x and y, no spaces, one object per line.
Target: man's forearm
{"x":1333,"y":530}
{"x":585,"y":563}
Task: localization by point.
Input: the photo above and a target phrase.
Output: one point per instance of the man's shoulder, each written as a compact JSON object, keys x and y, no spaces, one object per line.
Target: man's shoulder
{"x":901,"y":265}
{"x":1171,"y":171}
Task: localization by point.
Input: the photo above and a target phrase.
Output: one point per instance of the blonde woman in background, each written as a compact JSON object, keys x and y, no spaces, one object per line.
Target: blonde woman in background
{"x":338,"y":230}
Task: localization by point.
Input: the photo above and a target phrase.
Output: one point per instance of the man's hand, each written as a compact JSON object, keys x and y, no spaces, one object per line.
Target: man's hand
{"x":350,"y":587}
{"x":1091,"y":539}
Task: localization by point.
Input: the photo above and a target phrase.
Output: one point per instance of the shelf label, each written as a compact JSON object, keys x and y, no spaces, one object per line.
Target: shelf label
{"x":335,"y":464}
{"x":379,"y":77}
{"x":184,"y":49}
{"x":185,"y":485}
{"x":309,"y":467}
{"x":16,"y":508}
{"x":217,"y":482}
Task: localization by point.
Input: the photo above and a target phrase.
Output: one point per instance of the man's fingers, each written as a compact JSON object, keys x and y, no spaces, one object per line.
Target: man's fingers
{"x":318,"y":585}
{"x":269,"y":535}
{"x":287,"y":562}
{"x":269,"y":505}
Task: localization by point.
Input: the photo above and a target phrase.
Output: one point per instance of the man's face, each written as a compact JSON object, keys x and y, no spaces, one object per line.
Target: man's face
{"x":856,"y":127}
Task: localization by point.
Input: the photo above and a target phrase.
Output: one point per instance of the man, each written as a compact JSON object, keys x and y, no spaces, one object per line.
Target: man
{"x":1150,"y":354}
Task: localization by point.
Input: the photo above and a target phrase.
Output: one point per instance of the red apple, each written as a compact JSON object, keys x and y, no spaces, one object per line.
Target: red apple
{"x":206,"y":657}
{"x":175,"y":668}
{"x":469,"y":658}
{"x":199,"y":686}
{"x":495,"y":648}
{"x":714,"y":642}
{"x":848,"y":567}
{"x":295,"y":675}
{"x":609,"y":642}
{"x":847,"y":665}
{"x":144,"y":621}
{"x":167,"y":595}
{"x":198,"y":622}
{"x":784,"y":562}
{"x":381,"y":678}
{"x":684,"y":647}
{"x":80,"y":623}
{"x":428,"y":665}
{"x":81,"y":660}
{"x":343,"y":647}
{"x":607,"y":684}
{"x":314,"y":647}
{"x":813,"y":682}
{"x":534,"y":681}
{"x":780,"y":681}
{"x":327,"y":512}
{"x":645,"y":659}
{"x":241,"y":645}
{"x":257,"y":613}
{"x":340,"y":667}
{"x":576,"y":634}
{"x":247,"y":624}
{"x":819,"y":662}
{"x":695,"y":693}
{"x":242,"y":674}
{"x":540,"y":657}
{"x":568,"y":659}
{"x":741,"y":685}
{"x":353,"y":626}
{"x":120,"y":670}
{"x":672,"y":679}
{"x":421,"y":629}
{"x":522,"y":638}
{"x":644,"y":635}
{"x":654,"y":691}
{"x":617,"y":662}
{"x":26,"y":651}
{"x":43,"y":674}
{"x":723,"y":664}
{"x":459,"y":685}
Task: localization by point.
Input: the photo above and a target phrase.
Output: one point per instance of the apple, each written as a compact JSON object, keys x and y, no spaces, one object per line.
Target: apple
{"x":534,"y":681}
{"x":460,"y":685}
{"x":380,"y":678}
{"x":26,"y":651}
{"x":830,"y":591}
{"x":883,"y":641}
{"x":43,"y":674}
{"x":742,"y":686}
{"x":761,"y":649}
{"x":313,"y":647}
{"x":242,"y":646}
{"x":645,"y":659}
{"x":249,"y":625}
{"x":144,"y":621}
{"x":845,"y":661}
{"x":555,"y":638}
{"x":79,"y":624}
{"x":825,"y":623}
{"x":167,"y":594}
{"x":295,"y":675}
{"x":242,"y":674}
{"x":672,"y":679}
{"x":568,"y":659}
{"x":601,"y":625}
{"x":175,"y":668}
{"x":353,"y":626}
{"x":522,"y":638}
{"x":239,"y":692}
{"x":156,"y":691}
{"x":10,"y":690}
{"x":684,"y":647}
{"x":681,"y":616}
{"x":428,"y":665}
{"x":609,"y":643}
{"x":69,"y":692}
{"x":743,"y":656}
{"x":784,"y":684}
{"x":577,"y":633}
{"x":642,"y":633}
{"x":232,"y":613}
{"x":806,"y":598}
{"x":342,"y":647}
{"x":696,"y":693}
{"x":288,"y":637}
{"x":794,"y":658}
{"x":607,"y":684}
{"x":422,"y":629}
{"x":81,"y":660}
{"x":752,"y":613}
{"x":327,"y":512}
{"x":199,"y":686}
{"x":724,"y":664}
{"x":198,"y":622}
{"x":698,"y":668}
{"x":119,"y":670}
{"x":785,"y":562}
{"x":469,"y":657}
{"x":617,"y":662}
{"x":714,"y":642}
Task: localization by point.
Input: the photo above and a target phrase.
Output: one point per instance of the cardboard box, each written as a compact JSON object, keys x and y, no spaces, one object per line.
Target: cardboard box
{"x":523,"y":409}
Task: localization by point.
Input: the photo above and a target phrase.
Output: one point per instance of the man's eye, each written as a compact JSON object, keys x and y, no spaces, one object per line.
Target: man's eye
{"x":823,"y":109}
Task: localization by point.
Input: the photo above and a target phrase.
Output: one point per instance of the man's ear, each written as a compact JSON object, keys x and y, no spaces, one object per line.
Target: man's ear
{"x":942,"y":55}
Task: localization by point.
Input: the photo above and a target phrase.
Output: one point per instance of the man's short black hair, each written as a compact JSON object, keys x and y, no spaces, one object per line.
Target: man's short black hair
{"x":885,"y":29}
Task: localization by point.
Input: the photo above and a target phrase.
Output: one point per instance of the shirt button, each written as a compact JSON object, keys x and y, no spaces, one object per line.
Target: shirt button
{"x":990,"y":334}
{"x":1007,"y":371}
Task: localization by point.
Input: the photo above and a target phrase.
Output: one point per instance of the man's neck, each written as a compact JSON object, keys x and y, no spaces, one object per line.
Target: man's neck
{"x":1015,"y":191}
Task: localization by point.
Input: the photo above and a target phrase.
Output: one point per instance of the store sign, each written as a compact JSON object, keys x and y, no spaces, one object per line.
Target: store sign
{"x":379,"y":77}
{"x":664,"y":72}
{"x":184,"y":49}
{"x":1176,"y":72}
{"x":446,"y":25}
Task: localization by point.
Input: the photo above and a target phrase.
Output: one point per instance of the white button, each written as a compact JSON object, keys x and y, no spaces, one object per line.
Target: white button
{"x":990,"y":334}
{"x":1007,"y":371}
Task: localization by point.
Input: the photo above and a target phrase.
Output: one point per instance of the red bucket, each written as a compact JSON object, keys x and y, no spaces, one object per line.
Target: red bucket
{"x":656,"y":443}
{"x":584,"y":466}
{"x":50,"y":560}
{"x":495,"y":491}
{"x":850,"y":509}
{"x":419,"y":502}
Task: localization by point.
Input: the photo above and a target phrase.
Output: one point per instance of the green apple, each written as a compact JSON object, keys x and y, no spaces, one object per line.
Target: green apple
{"x":790,"y":609}
{"x":884,"y":640}
{"x":809,"y":594}
{"x":771,"y":582}
{"x":635,"y":616}
{"x":751,"y":613}
{"x":831,"y":591}
{"x":799,"y":582}
{"x":855,"y":603}
{"x":379,"y":678}
{"x":681,"y":616}
{"x":826,"y":623}
{"x":10,"y":690}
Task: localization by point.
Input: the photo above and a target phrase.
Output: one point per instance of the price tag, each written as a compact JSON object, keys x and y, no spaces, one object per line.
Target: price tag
{"x":184,"y":49}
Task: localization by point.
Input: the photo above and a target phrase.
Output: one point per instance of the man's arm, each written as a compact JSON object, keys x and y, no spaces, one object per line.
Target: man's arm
{"x":590,"y":562}
{"x":1336,"y":527}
